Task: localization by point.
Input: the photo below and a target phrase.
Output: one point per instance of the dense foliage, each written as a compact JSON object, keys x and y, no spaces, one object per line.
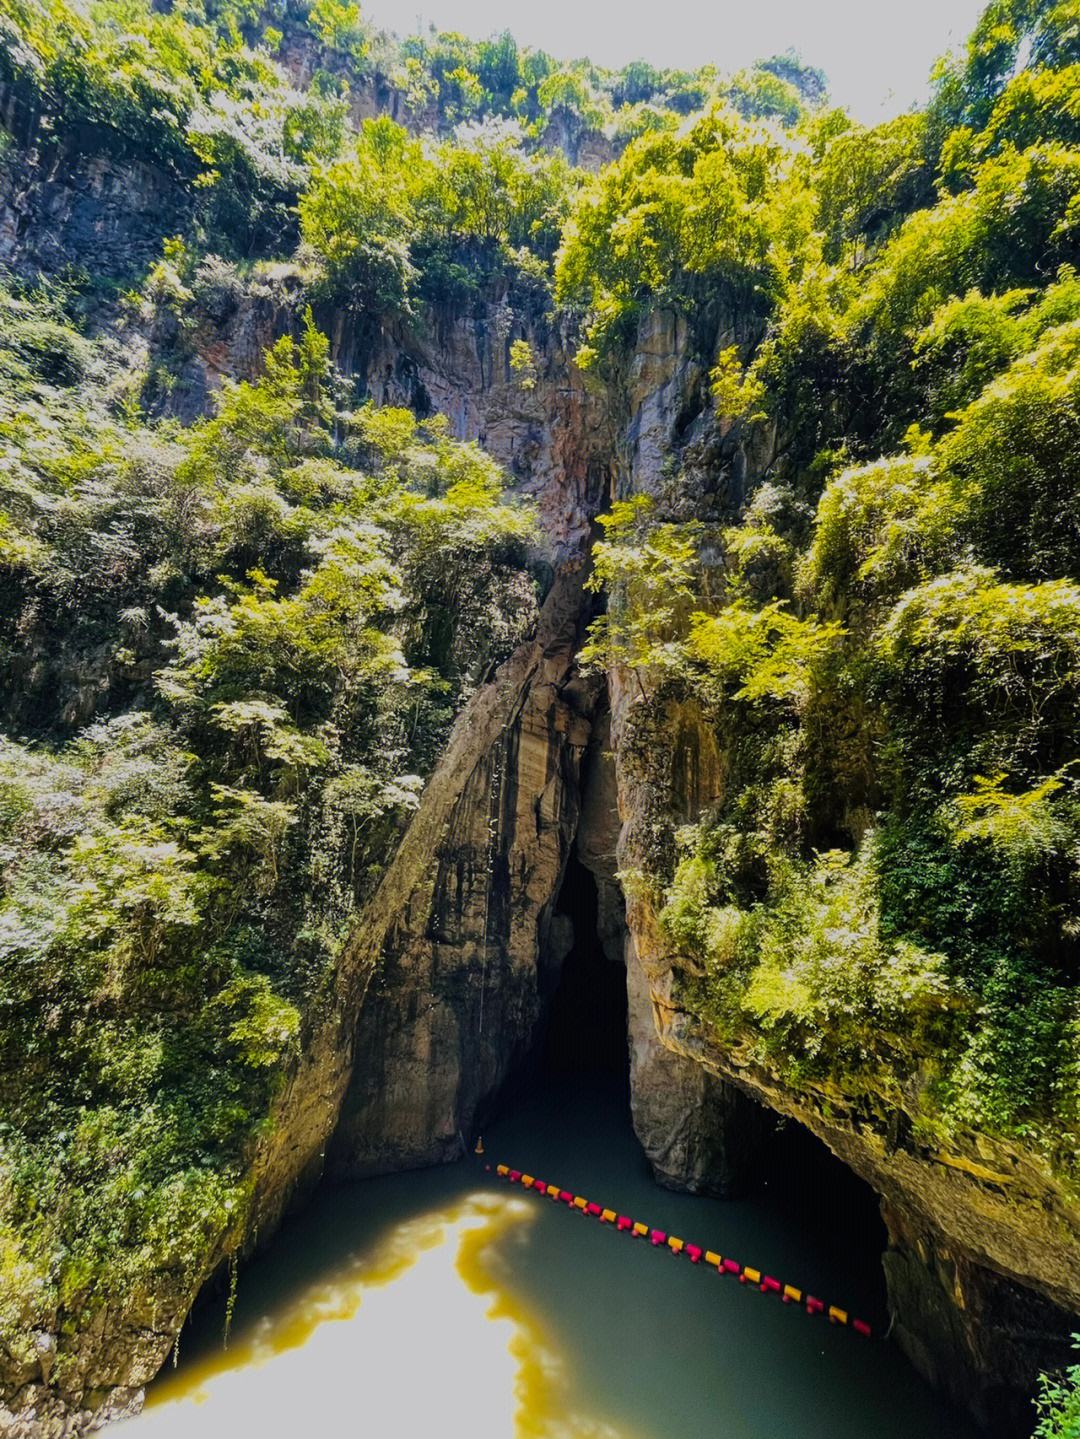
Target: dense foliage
{"x":465,"y":79}
{"x":395,"y":220}
{"x":884,"y":638}
{"x":1058,"y":1404}
{"x":286,"y":603}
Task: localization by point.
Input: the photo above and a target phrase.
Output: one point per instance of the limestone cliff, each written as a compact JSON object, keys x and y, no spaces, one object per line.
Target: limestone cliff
{"x":983,"y":1267}
{"x":463,"y":925}
{"x":460,"y":933}
{"x":440,"y":991}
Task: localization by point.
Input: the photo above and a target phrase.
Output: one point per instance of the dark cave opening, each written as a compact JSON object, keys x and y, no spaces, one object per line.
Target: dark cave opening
{"x":586,"y":1025}
{"x":813,"y":1193}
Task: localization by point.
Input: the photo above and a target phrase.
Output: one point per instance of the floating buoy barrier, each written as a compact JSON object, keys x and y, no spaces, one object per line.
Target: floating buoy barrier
{"x":745,"y":1273}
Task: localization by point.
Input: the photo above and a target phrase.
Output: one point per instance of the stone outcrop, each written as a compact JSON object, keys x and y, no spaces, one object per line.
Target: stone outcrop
{"x":467,"y":937}
{"x":975,"y":1333}
{"x":699,"y":1133}
{"x":69,"y":205}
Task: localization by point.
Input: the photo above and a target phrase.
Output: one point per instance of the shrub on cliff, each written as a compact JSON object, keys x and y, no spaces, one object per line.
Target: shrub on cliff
{"x":394,"y":208}
{"x":672,"y":206}
{"x":276,"y":613}
{"x":1059,"y":1404}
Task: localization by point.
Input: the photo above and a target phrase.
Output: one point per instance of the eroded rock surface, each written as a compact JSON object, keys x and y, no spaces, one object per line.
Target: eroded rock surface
{"x":984,"y":1261}
{"x":699,"y":1132}
{"x":465,"y":941}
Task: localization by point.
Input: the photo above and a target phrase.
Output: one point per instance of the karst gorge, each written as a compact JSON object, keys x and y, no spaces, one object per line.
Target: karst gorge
{"x":540,"y":641}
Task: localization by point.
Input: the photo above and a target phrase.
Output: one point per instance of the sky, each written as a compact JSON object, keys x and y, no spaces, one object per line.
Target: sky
{"x":877,"y":53}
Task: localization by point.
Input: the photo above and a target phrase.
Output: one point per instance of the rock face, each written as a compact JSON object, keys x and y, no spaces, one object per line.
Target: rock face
{"x":699,"y":1133}
{"x":597,"y":837}
{"x":468,"y":943}
{"x":61,"y":205}
{"x":983,"y":1265}
{"x":976,"y":1334}
{"x":466,"y":948}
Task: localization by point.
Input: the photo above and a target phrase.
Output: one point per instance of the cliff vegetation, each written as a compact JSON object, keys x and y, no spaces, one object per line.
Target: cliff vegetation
{"x":236,"y":630}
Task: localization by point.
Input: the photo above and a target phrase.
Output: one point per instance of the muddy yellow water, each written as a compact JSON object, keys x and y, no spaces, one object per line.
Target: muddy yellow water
{"x":445,"y":1303}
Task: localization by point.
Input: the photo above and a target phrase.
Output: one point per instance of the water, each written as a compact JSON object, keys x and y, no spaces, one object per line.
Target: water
{"x":445,"y":1302}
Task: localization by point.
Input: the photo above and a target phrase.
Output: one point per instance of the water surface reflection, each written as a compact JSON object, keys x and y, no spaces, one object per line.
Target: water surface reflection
{"x":440,"y":1302}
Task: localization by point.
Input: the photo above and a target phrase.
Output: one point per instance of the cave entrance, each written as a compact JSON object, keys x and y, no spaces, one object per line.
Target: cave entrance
{"x":586,"y":1028}
{"x":807,"y":1191}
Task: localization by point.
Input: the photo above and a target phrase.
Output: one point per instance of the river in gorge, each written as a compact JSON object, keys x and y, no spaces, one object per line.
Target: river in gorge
{"x":446,"y":1302}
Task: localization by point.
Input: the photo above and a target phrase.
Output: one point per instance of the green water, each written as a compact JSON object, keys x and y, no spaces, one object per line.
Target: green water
{"x":446,"y":1302}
